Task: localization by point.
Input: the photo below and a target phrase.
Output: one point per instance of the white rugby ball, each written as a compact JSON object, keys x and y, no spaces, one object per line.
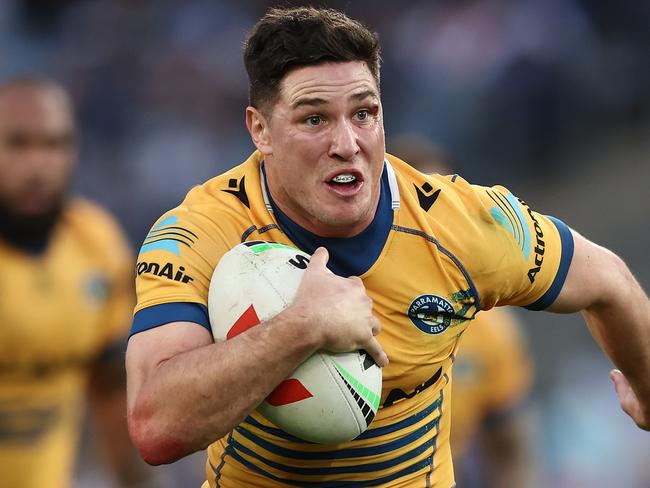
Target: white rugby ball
{"x":329,"y":398}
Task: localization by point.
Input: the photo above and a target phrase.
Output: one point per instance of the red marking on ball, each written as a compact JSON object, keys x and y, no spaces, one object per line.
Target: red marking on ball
{"x":247,"y":320}
{"x":289,"y":391}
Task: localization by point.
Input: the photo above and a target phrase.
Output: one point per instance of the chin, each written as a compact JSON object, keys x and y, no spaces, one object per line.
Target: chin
{"x":26,"y":228}
{"x":340,"y":223}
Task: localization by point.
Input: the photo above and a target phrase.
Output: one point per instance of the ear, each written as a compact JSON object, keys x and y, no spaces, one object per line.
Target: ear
{"x":259,"y":129}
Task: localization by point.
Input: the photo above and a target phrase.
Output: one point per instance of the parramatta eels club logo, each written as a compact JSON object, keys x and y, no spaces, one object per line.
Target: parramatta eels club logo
{"x":430,"y":313}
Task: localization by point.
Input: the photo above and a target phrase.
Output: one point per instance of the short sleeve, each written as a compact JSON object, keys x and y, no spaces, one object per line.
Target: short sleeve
{"x":174,"y":268}
{"x":525,"y":255}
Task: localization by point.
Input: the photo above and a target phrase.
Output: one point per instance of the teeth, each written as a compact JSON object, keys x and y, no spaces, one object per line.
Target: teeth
{"x":345,"y":178}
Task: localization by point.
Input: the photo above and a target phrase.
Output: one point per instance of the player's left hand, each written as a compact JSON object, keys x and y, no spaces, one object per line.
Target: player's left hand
{"x":629,"y":401}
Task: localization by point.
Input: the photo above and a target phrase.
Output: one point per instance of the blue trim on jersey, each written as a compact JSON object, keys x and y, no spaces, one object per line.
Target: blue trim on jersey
{"x":162,"y":314}
{"x":360,"y":468}
{"x":217,"y":470}
{"x":236,"y":451}
{"x":566,"y":238}
{"x":435,"y":438}
{"x":345,"y":258}
{"x":36,"y":248}
{"x":368,"y":434}
{"x":275,"y":431}
{"x":355,"y":452}
{"x":408,"y":421}
{"x":332,"y":484}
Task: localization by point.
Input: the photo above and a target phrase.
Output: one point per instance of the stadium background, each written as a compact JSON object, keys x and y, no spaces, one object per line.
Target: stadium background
{"x":551,"y":99}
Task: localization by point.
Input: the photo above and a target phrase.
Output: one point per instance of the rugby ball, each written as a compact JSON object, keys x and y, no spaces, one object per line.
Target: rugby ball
{"x":329,"y":398}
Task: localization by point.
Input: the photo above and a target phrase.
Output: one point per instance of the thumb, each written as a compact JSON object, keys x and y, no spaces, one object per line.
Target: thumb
{"x":620,"y":383}
{"x":624,"y":391}
{"x":319,"y":259}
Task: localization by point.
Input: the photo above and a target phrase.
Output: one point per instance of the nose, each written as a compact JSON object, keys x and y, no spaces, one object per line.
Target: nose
{"x":40,"y":164}
{"x":344,"y":144}
{"x":35,"y":155}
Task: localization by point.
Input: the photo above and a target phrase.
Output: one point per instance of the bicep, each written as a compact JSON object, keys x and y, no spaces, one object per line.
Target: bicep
{"x":594,"y":273}
{"x":148,"y":349}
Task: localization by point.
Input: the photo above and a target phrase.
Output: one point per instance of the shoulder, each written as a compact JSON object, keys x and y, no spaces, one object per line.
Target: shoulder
{"x":91,"y":220}
{"x":97,"y":231}
{"x":212,"y":217}
{"x":229,"y":198}
{"x":81,"y":210}
{"x":237,"y":188}
{"x":451,"y":192}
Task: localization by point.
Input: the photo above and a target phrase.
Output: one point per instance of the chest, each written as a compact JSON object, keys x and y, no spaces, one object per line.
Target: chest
{"x":51,"y":306}
{"x":424,"y":299}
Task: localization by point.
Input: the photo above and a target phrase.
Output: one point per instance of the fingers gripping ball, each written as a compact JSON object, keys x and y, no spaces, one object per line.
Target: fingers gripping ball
{"x":329,"y":398}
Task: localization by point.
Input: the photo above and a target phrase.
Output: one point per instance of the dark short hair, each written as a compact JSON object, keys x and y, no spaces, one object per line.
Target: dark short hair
{"x":289,"y":38}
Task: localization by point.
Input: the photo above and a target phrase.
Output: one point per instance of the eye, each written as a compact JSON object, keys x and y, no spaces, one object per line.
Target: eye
{"x":362,"y":115}
{"x":18,"y":142}
{"x":314,"y":120}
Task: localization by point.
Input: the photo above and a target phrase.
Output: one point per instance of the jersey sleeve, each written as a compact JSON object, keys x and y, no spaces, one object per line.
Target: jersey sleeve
{"x":174,"y":268}
{"x":524,"y":257}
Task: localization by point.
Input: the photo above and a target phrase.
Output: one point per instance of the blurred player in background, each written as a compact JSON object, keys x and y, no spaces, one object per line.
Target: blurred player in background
{"x":65,"y":300}
{"x":493,"y":374}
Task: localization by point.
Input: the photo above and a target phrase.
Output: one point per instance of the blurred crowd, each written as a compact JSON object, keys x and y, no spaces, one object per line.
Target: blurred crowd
{"x":513,"y":90}
{"x":502,"y":85}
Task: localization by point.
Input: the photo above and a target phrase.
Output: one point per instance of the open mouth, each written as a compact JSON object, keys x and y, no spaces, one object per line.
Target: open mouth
{"x":345,"y":182}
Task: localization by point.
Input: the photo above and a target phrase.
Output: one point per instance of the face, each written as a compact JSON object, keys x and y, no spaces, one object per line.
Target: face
{"x":323,"y":147}
{"x":36,"y":149}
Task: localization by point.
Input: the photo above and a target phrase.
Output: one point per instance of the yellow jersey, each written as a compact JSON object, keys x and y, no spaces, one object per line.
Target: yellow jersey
{"x":492,"y":375}
{"x":60,"y":310}
{"x":438,"y":251}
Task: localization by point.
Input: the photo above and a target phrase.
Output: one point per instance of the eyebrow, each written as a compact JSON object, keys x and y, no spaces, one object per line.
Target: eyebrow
{"x":317,"y":101}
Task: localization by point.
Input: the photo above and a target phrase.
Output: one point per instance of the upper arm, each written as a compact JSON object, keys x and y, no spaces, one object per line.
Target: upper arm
{"x":594,"y":274}
{"x":173,"y":273}
{"x":148,"y":349}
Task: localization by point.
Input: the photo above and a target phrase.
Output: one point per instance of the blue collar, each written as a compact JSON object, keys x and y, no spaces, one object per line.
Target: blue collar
{"x":349,"y":256}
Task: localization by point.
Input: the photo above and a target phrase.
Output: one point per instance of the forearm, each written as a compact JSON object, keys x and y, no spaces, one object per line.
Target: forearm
{"x":196,"y":397}
{"x":620,"y":323}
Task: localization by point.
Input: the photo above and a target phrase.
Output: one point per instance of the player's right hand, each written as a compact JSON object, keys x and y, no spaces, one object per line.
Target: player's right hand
{"x":628,"y":400}
{"x":338,"y":310}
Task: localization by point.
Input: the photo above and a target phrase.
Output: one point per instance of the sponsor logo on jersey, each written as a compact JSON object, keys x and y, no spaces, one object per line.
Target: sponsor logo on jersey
{"x":239,"y":190}
{"x":426,"y":196}
{"x":507,"y":212}
{"x":97,"y":288}
{"x":168,"y":236}
{"x":397,"y":394}
{"x":166,"y":270}
{"x":431,"y":314}
{"x":539,"y":245}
